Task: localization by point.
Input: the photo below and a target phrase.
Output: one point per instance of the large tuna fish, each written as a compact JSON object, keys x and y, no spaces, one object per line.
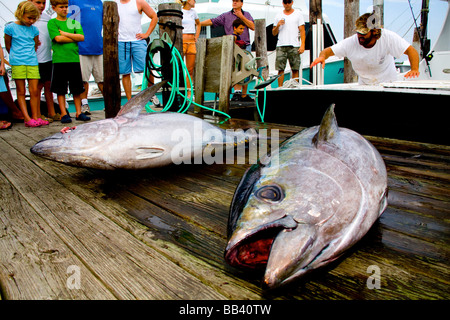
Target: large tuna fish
{"x":312,"y":201}
{"x":135,"y":140}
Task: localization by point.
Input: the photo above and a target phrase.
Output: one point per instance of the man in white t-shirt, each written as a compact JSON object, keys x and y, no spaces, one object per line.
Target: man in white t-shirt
{"x":287,"y":25}
{"x":371,"y":52}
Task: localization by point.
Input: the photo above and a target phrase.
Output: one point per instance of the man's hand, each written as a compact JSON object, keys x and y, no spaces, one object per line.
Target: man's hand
{"x":141,"y":36}
{"x":412,"y":74}
{"x":321,"y":60}
{"x":238,"y":13}
{"x":301,"y":49}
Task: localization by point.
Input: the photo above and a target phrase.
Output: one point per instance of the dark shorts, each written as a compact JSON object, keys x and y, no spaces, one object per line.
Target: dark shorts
{"x":67,"y":74}
{"x":45,"y":70}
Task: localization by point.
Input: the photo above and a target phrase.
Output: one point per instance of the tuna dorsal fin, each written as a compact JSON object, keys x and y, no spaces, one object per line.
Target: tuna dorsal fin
{"x":328,"y":129}
{"x":133,"y":107}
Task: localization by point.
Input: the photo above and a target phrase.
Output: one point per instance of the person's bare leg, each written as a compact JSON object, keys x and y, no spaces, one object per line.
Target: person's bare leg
{"x":35,"y":102}
{"x":281,"y":78}
{"x":62,"y":104}
{"x":100,"y":87}
{"x":48,"y":99}
{"x":20,"y":91}
{"x":126,"y":82}
{"x":295,"y":74}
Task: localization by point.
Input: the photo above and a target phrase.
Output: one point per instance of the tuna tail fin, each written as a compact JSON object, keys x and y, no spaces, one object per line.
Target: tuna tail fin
{"x":328,"y":129}
{"x":134,"y":106}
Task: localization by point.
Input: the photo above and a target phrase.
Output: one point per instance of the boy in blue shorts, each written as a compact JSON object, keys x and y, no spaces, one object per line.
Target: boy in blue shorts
{"x":65,"y":34}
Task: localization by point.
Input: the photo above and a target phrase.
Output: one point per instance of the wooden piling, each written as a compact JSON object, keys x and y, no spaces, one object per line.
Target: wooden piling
{"x":170,"y":19}
{"x":170,"y":14}
{"x":351,"y":13}
{"x":199,"y":74}
{"x":213,"y":69}
{"x":226,"y":61}
{"x":315,"y":12}
{"x":111,"y":83}
{"x":261,"y":46}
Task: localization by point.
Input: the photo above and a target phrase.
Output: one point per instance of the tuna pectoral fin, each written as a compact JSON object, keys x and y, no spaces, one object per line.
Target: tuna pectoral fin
{"x":144,"y":153}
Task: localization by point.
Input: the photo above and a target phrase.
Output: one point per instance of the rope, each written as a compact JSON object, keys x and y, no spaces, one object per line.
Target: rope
{"x":172,"y":70}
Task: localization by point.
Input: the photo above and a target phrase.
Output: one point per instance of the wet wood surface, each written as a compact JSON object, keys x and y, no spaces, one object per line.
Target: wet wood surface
{"x":161,"y":233}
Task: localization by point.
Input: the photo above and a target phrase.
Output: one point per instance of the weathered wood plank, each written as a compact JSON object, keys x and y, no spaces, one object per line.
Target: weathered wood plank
{"x":106,"y":193}
{"x":34,"y":260}
{"x":185,"y":208}
{"x":130,"y":268}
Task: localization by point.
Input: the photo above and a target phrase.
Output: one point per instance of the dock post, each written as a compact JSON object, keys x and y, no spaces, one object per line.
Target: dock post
{"x":226,"y":63}
{"x":351,"y":13}
{"x":199,"y":74}
{"x":261,"y":46}
{"x":170,"y":19}
{"x":111,"y":87}
{"x":213,"y":69}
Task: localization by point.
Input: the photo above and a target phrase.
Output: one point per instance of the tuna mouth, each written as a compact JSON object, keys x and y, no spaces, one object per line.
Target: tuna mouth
{"x":253,"y":251}
{"x":46,"y":145}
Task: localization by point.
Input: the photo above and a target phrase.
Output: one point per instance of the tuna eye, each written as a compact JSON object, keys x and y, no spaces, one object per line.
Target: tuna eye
{"x":270,"y":193}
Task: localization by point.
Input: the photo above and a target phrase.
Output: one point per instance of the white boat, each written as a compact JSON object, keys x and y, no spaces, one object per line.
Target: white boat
{"x":264,"y":9}
{"x":412,"y":109}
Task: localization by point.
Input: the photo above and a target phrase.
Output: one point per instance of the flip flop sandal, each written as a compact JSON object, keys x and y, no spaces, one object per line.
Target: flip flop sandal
{"x":5,"y":125}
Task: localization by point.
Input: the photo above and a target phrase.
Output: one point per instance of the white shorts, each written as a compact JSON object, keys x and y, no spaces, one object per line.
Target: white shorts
{"x":92,"y":65}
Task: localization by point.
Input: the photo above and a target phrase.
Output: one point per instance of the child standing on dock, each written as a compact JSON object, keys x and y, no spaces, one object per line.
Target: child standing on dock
{"x":21,"y":42}
{"x":65,"y":34}
{"x":44,"y":55}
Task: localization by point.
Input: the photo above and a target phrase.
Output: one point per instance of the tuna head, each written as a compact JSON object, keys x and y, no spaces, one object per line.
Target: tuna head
{"x":302,"y":211}
{"x":80,"y":146}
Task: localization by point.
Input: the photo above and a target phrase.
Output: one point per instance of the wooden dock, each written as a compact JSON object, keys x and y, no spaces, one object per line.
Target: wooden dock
{"x":74,"y":233}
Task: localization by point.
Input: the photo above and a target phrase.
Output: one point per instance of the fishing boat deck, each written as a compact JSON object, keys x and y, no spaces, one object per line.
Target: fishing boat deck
{"x":161,"y":233}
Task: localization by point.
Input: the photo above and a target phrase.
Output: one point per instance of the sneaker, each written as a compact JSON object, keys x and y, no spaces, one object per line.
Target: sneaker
{"x":42,"y":122}
{"x":83,"y":117}
{"x":66,"y":119}
{"x":155,"y":101}
{"x":85,"y":109}
{"x":236,"y":96}
{"x":32,"y":123}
